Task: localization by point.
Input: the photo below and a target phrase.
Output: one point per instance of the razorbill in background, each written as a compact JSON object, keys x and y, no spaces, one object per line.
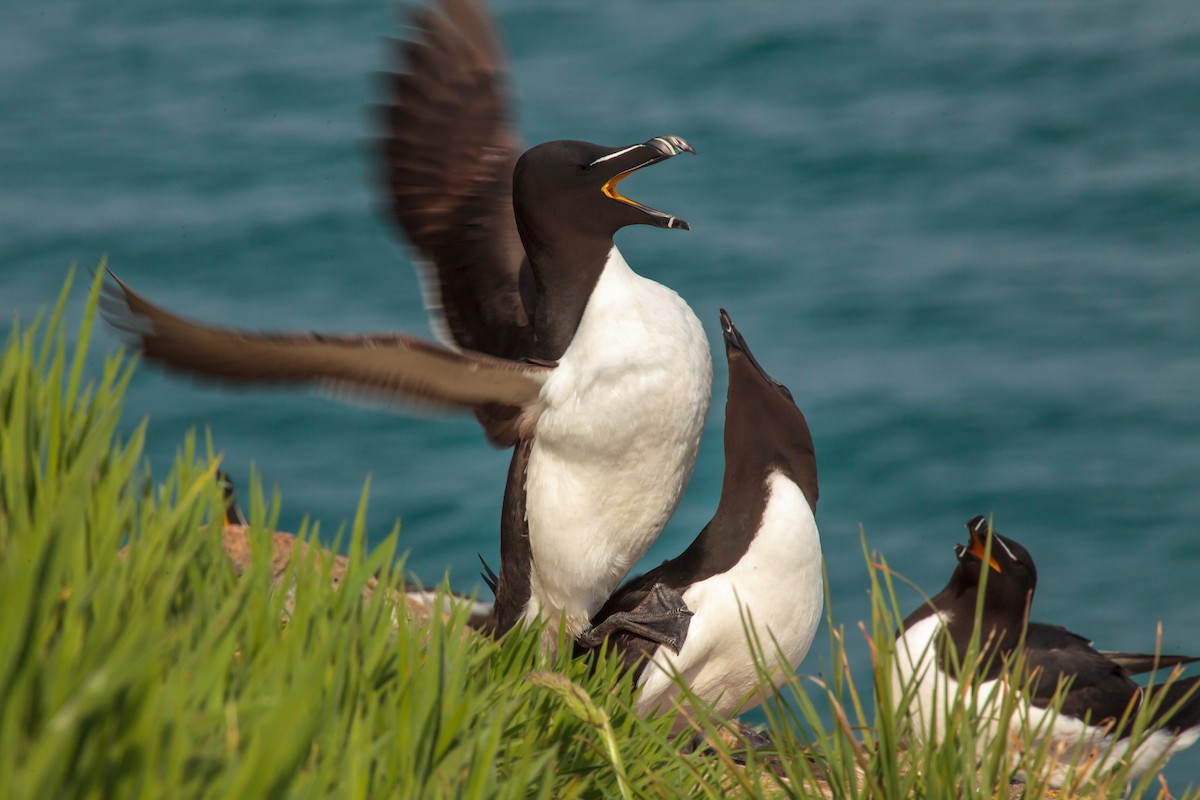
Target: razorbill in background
{"x":599,"y":377}
{"x":757,"y":560}
{"x":233,"y":512}
{"x":1100,"y":702}
{"x":236,"y":543}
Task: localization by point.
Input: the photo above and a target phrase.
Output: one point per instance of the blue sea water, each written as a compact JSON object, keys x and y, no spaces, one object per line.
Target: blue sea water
{"x":966,"y":235}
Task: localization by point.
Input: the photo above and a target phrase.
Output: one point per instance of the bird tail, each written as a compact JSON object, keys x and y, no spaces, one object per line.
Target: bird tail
{"x":1138,"y":663}
{"x":489,"y":577}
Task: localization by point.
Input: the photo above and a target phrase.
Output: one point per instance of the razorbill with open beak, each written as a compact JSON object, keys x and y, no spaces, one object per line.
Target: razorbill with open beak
{"x":1099,"y":704}
{"x":758,"y":560}
{"x":599,"y":377}
{"x":233,"y":512}
{"x":448,"y":152}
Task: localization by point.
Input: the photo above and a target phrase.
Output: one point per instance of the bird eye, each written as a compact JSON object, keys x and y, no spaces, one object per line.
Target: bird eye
{"x":585,"y":167}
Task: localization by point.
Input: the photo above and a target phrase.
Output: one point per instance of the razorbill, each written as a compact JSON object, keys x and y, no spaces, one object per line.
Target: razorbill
{"x":447,"y":153}
{"x":598,"y":376}
{"x":758,"y":560}
{"x":233,"y":512}
{"x":1099,"y":703}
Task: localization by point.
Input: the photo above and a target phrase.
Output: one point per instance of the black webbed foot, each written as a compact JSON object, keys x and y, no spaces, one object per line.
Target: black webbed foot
{"x":736,"y":745}
{"x":660,"y":617}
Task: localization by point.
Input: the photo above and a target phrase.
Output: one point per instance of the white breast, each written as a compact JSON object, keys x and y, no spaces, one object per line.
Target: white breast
{"x":938,"y":699}
{"x":615,"y":441}
{"x":934,"y":693}
{"x":777,"y":585}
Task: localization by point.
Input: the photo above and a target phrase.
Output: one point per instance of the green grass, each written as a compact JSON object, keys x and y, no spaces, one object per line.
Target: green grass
{"x":135,"y":663}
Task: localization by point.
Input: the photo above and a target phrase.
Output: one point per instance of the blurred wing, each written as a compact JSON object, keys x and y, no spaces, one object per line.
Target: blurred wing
{"x":390,"y":367}
{"x":448,"y":156}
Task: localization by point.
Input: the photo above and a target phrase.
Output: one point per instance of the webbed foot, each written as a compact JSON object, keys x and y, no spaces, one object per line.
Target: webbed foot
{"x":661,"y":617}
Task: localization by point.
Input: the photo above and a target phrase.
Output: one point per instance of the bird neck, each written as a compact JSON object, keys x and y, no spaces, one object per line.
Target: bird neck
{"x":1003,"y":615}
{"x":728,"y":535}
{"x":564,"y":276}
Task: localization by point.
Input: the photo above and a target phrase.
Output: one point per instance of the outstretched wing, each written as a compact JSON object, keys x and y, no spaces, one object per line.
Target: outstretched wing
{"x":448,"y":154}
{"x":390,"y":367}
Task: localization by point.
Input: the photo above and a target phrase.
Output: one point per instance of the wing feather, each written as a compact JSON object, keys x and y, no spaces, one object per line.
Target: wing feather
{"x":448,"y":151}
{"x":390,"y":366}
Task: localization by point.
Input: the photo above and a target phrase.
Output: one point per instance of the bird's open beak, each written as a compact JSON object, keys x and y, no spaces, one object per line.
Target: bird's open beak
{"x":978,"y":546}
{"x":629,"y":160}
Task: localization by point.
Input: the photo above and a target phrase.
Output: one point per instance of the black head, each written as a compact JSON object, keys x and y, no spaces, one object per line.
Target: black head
{"x":1012,"y":575}
{"x":764,"y":429}
{"x":570,"y":188}
{"x":567,"y":209}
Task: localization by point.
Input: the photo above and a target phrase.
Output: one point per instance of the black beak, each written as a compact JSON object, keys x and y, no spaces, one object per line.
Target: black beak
{"x":978,"y":528}
{"x":670,"y":145}
{"x":733,"y":337}
{"x":625,"y":161}
{"x":736,"y":343}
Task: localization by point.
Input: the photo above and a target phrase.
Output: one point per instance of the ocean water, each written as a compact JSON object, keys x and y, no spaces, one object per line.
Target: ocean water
{"x":966,"y":235}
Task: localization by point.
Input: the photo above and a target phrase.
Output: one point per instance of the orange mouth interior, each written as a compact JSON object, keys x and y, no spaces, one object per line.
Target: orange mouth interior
{"x":977,"y":550}
{"x":610,"y":188}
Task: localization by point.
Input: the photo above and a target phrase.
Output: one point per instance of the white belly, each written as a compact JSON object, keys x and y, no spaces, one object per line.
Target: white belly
{"x":778,"y":585}
{"x":615,"y":442}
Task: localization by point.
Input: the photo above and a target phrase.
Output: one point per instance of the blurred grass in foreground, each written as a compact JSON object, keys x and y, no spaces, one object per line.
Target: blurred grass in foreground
{"x":133,"y":662}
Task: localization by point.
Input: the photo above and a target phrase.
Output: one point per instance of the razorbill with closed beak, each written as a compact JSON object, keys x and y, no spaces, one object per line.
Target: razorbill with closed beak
{"x":600,"y":378}
{"x":757,"y":562}
{"x":1100,"y":701}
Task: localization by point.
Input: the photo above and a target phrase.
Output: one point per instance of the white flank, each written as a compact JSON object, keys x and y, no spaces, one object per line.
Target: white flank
{"x":619,"y":424}
{"x":939,"y":697}
{"x":776,"y":586}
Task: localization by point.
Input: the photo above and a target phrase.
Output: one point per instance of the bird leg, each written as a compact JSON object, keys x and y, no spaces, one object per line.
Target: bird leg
{"x":661,"y":617}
